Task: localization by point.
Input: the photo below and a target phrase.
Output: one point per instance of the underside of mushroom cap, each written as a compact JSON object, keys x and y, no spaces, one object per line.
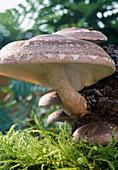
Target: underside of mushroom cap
{"x":83,"y":34}
{"x":27,"y":60}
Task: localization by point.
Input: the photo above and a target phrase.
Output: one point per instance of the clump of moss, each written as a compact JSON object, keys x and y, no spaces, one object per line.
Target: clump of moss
{"x":44,"y":149}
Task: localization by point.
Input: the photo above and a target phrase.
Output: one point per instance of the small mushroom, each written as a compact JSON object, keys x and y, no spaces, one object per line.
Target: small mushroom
{"x":4,"y":82}
{"x":83,"y":34}
{"x":61,"y":62}
{"x":59,"y":115}
{"x":50,"y":99}
{"x":98,"y":131}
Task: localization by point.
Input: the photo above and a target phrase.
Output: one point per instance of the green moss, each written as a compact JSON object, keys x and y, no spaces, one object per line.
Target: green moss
{"x":42,"y":149}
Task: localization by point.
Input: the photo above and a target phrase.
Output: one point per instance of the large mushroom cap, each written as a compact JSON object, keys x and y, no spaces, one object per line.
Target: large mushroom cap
{"x":26,"y":60}
{"x":61,"y":62}
{"x":98,"y":131}
{"x":83,"y":34}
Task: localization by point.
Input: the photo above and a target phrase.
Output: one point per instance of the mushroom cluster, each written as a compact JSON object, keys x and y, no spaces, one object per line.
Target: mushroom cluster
{"x":66,"y":61}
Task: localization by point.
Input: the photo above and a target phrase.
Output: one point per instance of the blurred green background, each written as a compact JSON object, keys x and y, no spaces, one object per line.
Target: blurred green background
{"x":43,"y":17}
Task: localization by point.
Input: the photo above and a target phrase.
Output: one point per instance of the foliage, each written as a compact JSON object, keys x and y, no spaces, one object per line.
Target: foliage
{"x":33,"y":149}
{"x":5,"y":119}
{"x":22,"y":103}
{"x":47,"y":16}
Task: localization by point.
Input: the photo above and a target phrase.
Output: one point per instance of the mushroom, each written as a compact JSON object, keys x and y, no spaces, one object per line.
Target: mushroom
{"x":59,"y":115}
{"x":4,"y":82}
{"x":50,"y":99}
{"x":61,"y":62}
{"x":83,"y":34}
{"x":98,"y":131}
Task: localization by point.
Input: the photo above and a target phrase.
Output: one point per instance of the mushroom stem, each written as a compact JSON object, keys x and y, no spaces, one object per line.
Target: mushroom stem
{"x":71,"y":99}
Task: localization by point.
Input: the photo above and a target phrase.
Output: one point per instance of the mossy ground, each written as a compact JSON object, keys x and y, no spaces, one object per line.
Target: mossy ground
{"x":38,"y":148}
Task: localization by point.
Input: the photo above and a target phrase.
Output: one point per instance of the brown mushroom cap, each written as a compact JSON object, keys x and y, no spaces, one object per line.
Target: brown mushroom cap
{"x":59,"y":115}
{"x":98,"y":131}
{"x":63,"y":63}
{"x":50,"y":99}
{"x":83,"y":34}
{"x":26,"y":60}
